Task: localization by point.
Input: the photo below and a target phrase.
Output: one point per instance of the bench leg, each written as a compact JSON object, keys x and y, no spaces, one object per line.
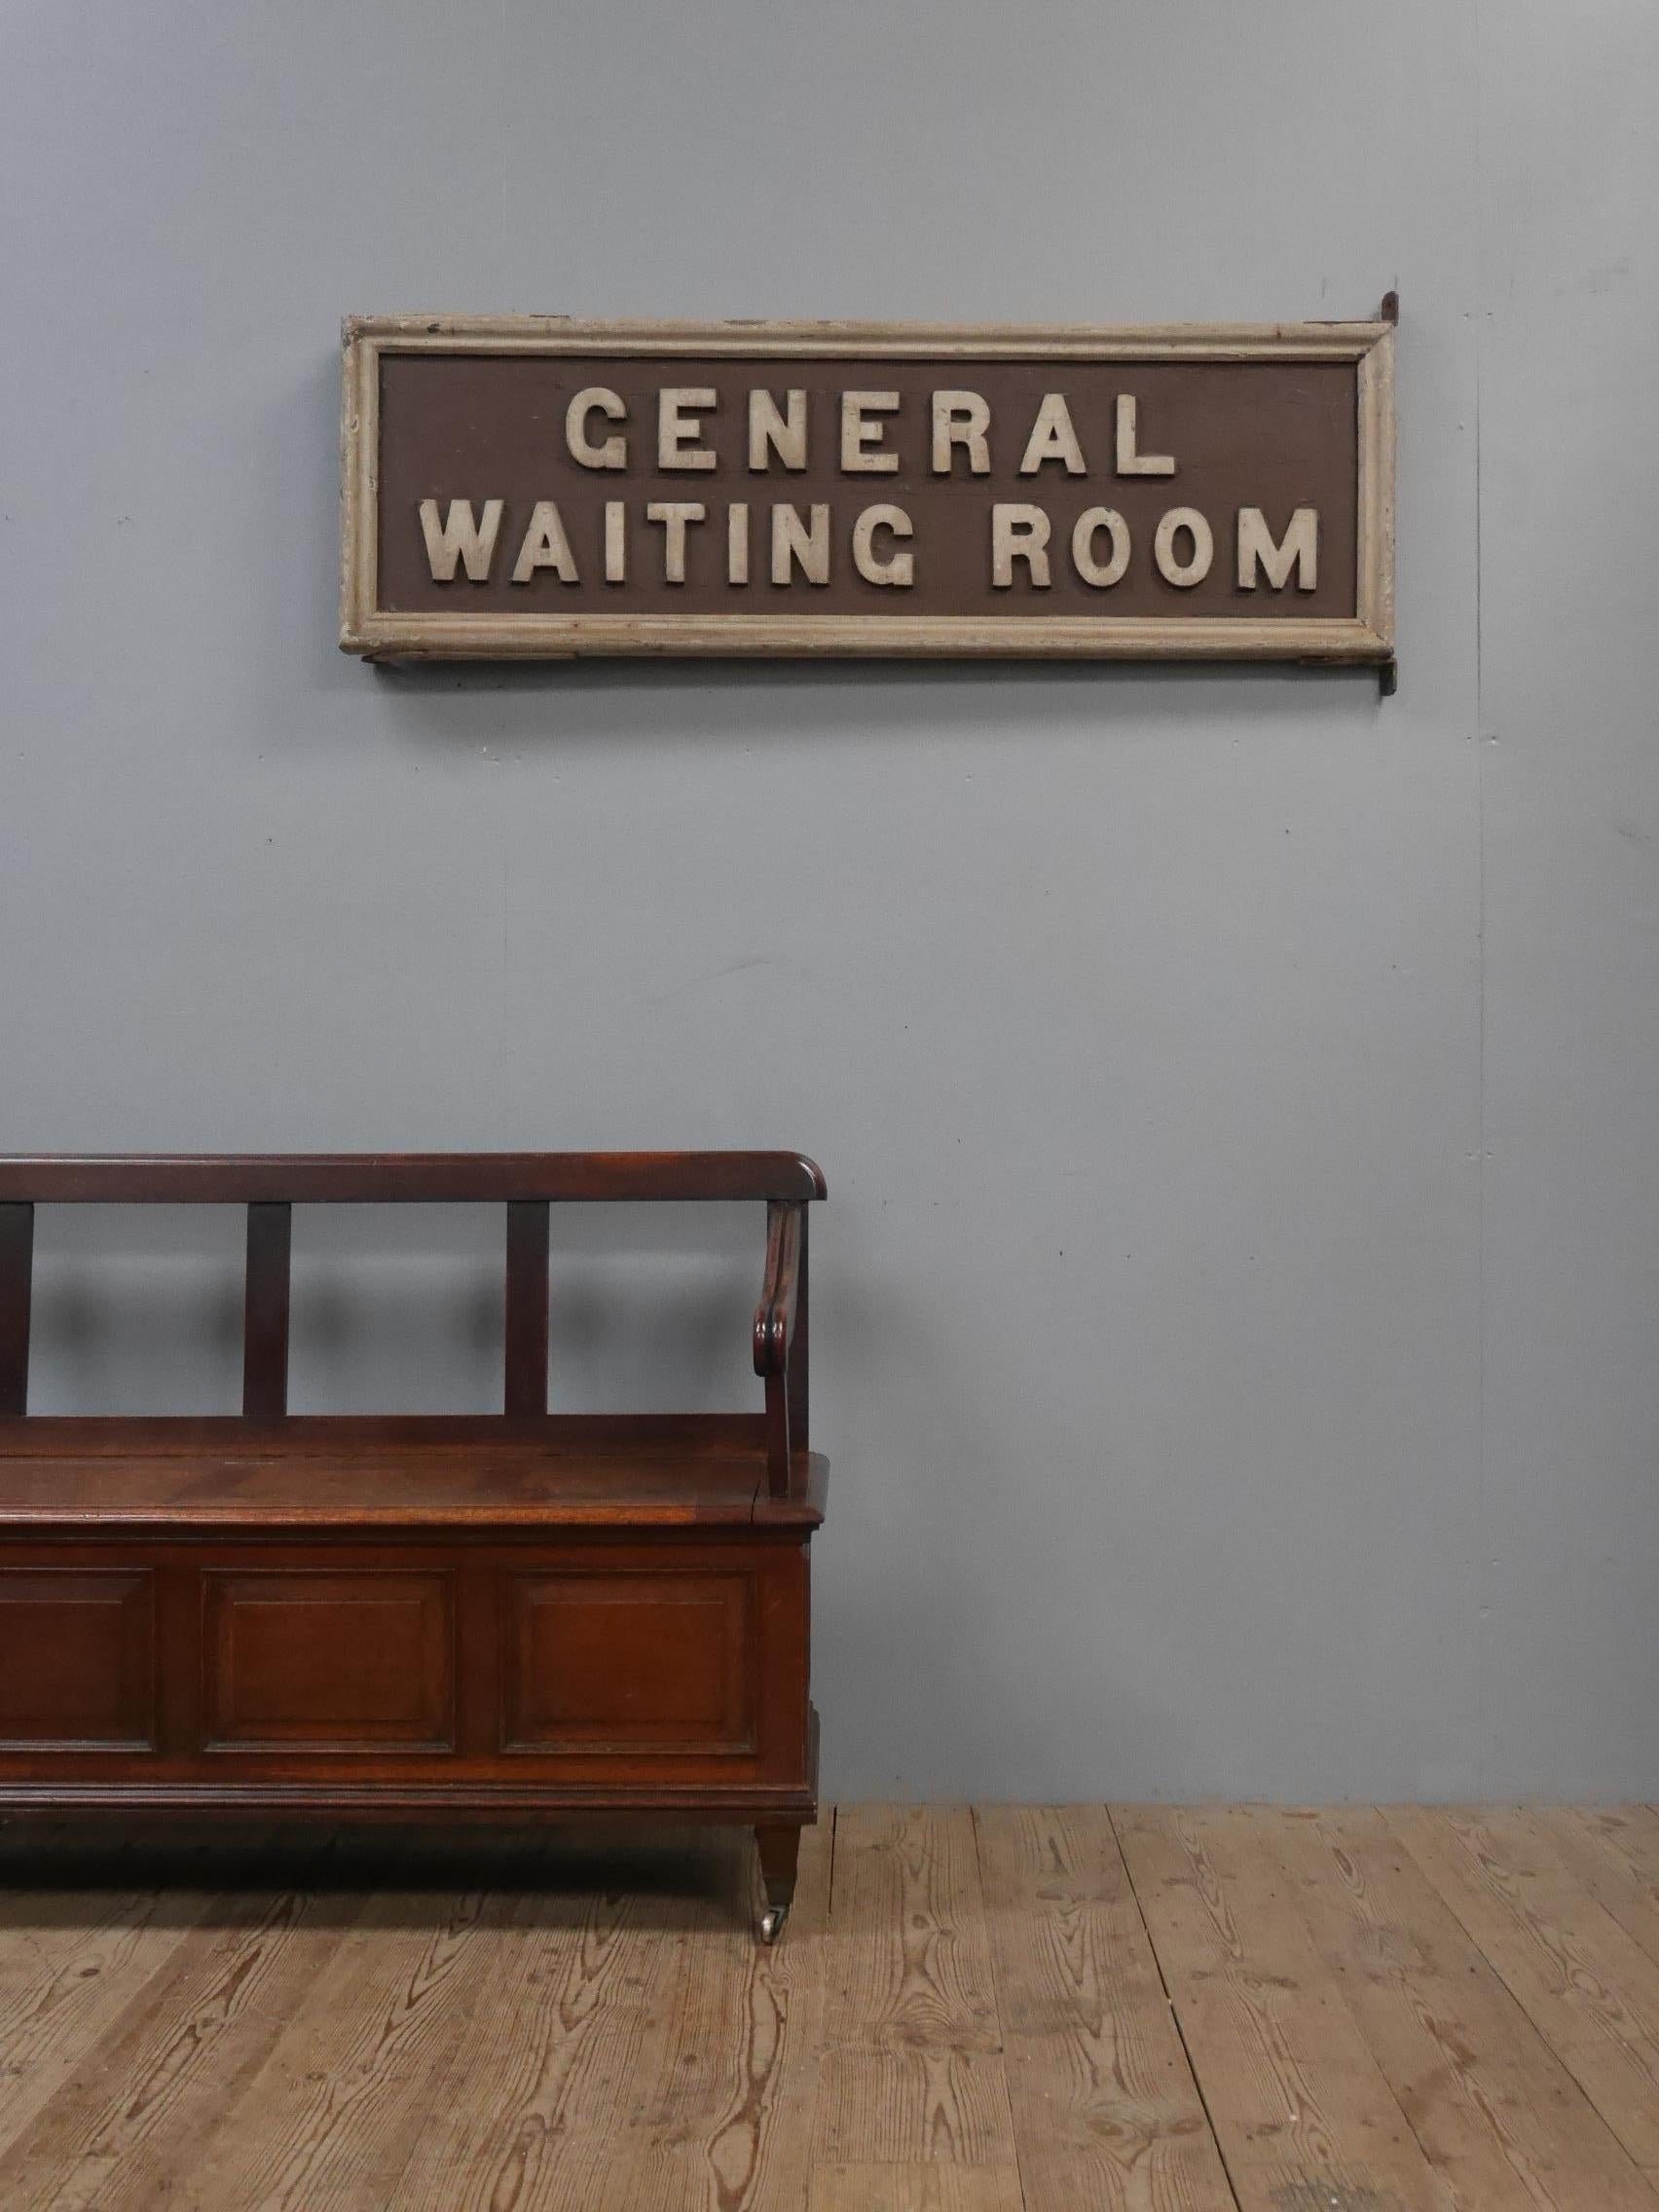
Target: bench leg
{"x":780,"y":1851}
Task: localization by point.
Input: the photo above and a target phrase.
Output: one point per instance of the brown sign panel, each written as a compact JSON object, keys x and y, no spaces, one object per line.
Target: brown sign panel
{"x":536,"y":486}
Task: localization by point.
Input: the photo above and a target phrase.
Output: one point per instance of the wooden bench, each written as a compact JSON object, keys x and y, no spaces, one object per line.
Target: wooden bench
{"x":512,"y":1616}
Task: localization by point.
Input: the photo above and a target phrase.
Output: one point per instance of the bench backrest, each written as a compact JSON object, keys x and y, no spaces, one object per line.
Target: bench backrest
{"x":527,"y":1184}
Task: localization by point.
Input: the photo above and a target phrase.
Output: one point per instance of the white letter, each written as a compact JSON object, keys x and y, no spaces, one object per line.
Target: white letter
{"x":897,"y":567}
{"x":460,"y":538}
{"x":673,"y":515}
{"x":791,"y":539}
{"x":784,"y":434}
{"x":1093,"y":572}
{"x":737,"y":542}
{"x":595,"y":399}
{"x":545,"y":547}
{"x":675,"y":427}
{"x":1018,"y":534}
{"x":615,"y":542}
{"x":1164,"y":548}
{"x":1131,"y":463}
{"x":1301,"y":545}
{"x":857,"y":433}
{"x":1053,"y":438}
{"x":960,"y":418}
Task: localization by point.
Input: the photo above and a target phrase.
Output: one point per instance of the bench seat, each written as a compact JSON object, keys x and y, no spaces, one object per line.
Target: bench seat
{"x":328,"y":1473}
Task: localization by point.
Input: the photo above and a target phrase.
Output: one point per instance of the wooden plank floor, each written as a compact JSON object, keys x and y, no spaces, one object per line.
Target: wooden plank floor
{"x":1000,"y":2009}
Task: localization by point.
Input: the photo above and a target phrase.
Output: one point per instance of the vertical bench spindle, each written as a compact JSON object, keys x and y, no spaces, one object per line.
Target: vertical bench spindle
{"x":265,"y":1326}
{"x":524,"y":1396}
{"x":16,"y":1262}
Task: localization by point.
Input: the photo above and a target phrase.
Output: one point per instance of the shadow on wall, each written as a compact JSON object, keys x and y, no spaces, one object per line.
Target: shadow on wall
{"x":910,"y":1651}
{"x":396,"y":1310}
{"x":138,"y":1310}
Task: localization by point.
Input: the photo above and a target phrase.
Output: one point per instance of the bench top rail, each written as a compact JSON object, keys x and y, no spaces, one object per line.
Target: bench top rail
{"x":410,"y":1177}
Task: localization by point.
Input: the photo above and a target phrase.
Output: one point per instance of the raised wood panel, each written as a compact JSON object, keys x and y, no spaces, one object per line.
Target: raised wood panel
{"x":331,"y":1661}
{"x":629,"y":1662}
{"x":77,"y":1660}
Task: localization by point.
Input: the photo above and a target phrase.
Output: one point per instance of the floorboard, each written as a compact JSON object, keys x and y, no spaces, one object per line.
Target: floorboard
{"x":1614,"y":1855}
{"x":1496,"y":2110}
{"x":1289,"y":2080}
{"x":167,"y":2065}
{"x":1593,"y":1994}
{"x":912,"y":2066}
{"x":1105,"y":2106}
{"x":541,"y":2104}
{"x":1008,"y":2008}
{"x":730,"y":2128}
{"x":326,"y":2120}
{"x":928,"y":2186}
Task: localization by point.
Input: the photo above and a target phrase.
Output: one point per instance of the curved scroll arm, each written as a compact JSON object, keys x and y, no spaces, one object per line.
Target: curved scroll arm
{"x":780,"y":1342}
{"x":780,"y":1292}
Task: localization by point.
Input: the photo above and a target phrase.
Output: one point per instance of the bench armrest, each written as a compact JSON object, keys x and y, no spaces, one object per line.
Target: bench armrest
{"x":780,"y":1292}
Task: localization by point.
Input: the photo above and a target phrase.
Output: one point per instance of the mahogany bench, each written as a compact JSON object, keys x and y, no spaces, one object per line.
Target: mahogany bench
{"x":519,"y":1615}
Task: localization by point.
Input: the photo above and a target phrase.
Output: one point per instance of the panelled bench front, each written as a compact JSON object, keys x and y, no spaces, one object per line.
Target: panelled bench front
{"x":513,"y":1616}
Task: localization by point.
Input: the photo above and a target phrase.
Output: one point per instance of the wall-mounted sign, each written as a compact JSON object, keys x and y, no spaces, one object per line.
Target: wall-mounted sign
{"x":531,"y":486}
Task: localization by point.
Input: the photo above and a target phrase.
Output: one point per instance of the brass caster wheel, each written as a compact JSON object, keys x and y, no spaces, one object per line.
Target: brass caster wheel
{"x":772,"y":1922}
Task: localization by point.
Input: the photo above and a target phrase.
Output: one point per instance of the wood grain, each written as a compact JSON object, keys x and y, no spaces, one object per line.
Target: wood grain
{"x":1104,"y":2101}
{"x":1494,"y":2110}
{"x":1347,"y":2188}
{"x":1613,"y":1853}
{"x":914,"y":2068}
{"x":967,"y":2013}
{"x":506,"y":1485}
{"x":69,"y":1966}
{"x":167,"y":2065}
{"x":927,"y":2187}
{"x":1592,"y":1993}
{"x":581,"y":2032}
{"x":1289,"y":2080}
{"x":759,"y":2153}
{"x":327,"y":2121}
{"x":729,"y":2129}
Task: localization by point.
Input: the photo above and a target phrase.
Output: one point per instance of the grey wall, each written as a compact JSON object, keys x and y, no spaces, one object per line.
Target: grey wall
{"x":1238,"y":1293}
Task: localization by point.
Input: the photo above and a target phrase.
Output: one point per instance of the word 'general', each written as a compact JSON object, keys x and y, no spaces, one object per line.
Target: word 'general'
{"x":960,"y":422}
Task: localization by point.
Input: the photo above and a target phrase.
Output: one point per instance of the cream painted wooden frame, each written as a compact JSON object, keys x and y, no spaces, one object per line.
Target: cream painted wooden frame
{"x":1367,"y":636}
